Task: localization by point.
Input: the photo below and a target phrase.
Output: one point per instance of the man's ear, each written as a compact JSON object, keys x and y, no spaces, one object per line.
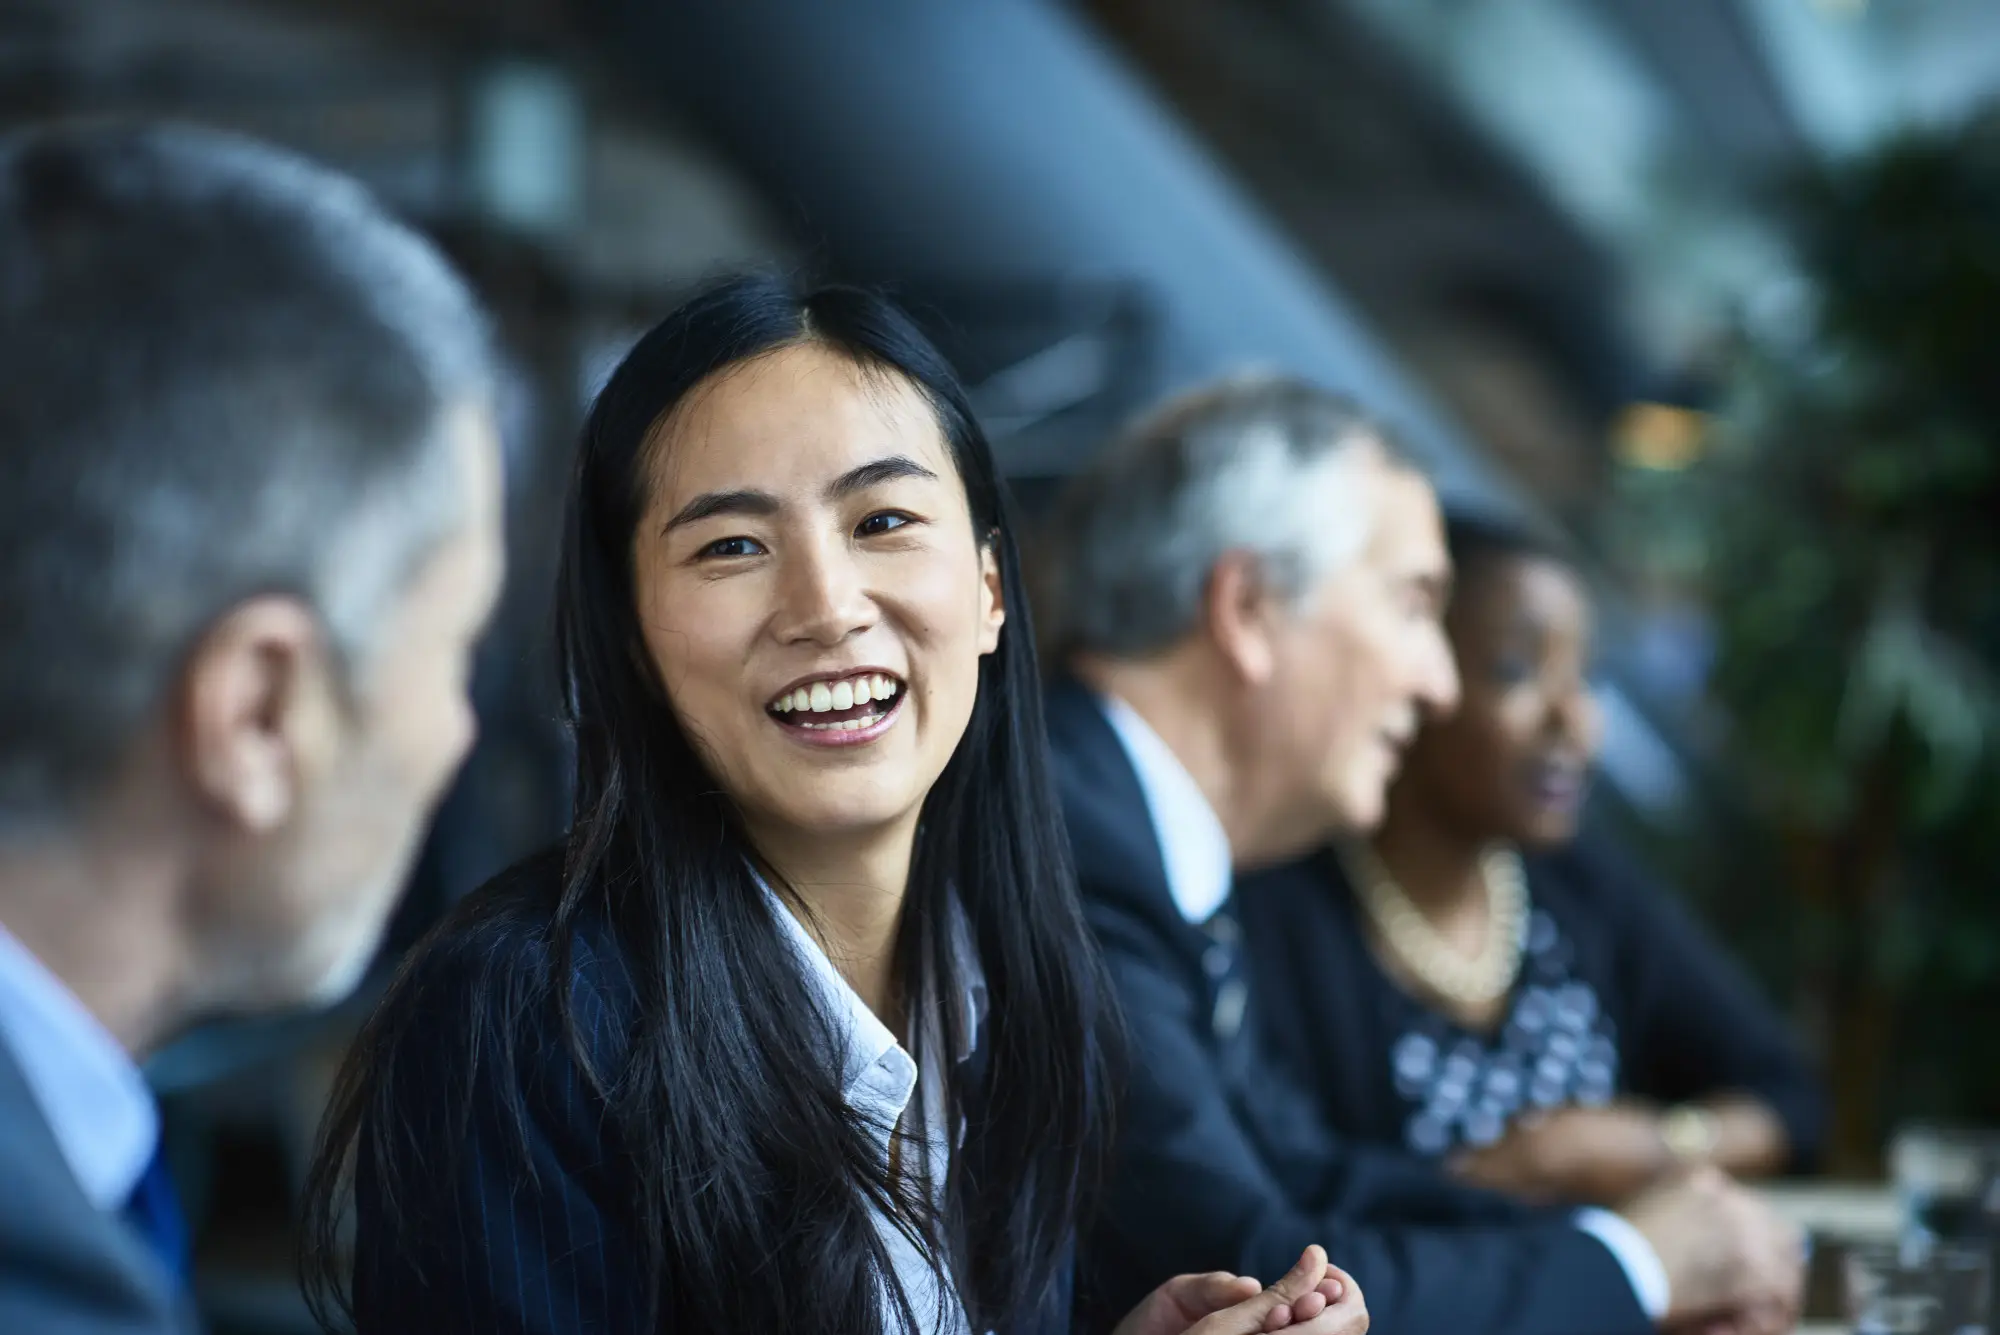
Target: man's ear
{"x":255,"y":711}
{"x":1240,"y":611}
{"x":993,"y":595}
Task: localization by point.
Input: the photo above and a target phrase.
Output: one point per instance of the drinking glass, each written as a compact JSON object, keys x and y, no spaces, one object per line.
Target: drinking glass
{"x":1919,"y":1288}
{"x":1948,"y":1179}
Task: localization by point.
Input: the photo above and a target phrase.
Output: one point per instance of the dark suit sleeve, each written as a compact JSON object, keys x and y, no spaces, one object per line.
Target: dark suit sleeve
{"x":56,"y":1277}
{"x":509,"y":1216}
{"x":1698,"y":1025}
{"x":65,"y":1267}
{"x":1193,"y":1189}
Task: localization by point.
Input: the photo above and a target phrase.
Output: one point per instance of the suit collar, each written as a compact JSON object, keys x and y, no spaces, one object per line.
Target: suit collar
{"x":1105,"y":808}
{"x":1123,"y":787}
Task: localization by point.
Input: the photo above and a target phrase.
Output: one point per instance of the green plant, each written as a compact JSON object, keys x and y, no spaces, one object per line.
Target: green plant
{"x":1842,"y":526}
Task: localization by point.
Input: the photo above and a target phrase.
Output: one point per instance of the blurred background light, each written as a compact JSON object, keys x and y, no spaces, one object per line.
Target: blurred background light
{"x":526,"y":145}
{"x":1659,"y":436}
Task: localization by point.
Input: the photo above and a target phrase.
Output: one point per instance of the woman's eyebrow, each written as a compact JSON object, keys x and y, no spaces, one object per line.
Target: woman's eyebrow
{"x":875,"y":473}
{"x":744,"y":501}
{"x":712,"y":503}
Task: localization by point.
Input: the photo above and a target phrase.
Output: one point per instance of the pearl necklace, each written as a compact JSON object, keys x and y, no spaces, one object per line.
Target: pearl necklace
{"x":1478,"y":980}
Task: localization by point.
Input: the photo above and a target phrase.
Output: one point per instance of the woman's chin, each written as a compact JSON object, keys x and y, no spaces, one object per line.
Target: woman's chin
{"x":842,"y":817}
{"x":1545,"y":830}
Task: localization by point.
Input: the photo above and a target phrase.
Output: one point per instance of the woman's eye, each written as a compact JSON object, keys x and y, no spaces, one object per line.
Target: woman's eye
{"x":727,"y":547}
{"x":888,"y":521}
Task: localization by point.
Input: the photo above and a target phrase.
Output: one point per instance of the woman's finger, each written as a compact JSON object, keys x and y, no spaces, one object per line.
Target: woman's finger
{"x":1256,"y":1315}
{"x":1304,"y":1277}
{"x":1186,"y":1299}
{"x":1310,"y":1306}
{"x":1339,"y":1319}
{"x":1348,"y":1316}
{"x":1329,"y":1292}
{"x":1199,"y":1295}
{"x":1302,"y":1308}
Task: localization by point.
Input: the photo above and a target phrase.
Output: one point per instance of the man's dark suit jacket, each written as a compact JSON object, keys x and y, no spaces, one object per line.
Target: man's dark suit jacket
{"x":66,"y":1267}
{"x":1222,"y":1163}
{"x":482,"y":1242}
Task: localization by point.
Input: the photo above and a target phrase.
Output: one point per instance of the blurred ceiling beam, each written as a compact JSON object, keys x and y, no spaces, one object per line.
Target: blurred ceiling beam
{"x":1715,"y":66}
{"x":1455,"y":249}
{"x":462,"y":24}
{"x":1311,"y":107}
{"x":1004,"y":139}
{"x":1566,"y":91}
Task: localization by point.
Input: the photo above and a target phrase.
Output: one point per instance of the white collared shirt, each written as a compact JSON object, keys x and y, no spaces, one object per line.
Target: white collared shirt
{"x":1193,"y":843}
{"x":90,"y":1091}
{"x":1200,"y":872}
{"x":880,"y":1078}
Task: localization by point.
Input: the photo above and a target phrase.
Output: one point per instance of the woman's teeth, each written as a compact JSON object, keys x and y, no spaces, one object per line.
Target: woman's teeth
{"x":824,"y":697}
{"x":840,"y":725}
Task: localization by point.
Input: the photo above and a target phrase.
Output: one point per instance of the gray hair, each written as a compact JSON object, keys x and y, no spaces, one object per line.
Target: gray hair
{"x":224,"y":371}
{"x":1234,"y":466}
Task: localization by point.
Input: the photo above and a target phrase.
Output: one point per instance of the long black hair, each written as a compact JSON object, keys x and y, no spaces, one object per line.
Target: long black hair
{"x":751,"y":1183}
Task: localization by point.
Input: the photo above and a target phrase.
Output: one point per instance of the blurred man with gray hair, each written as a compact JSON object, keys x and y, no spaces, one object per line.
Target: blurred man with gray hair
{"x":1245,"y":593}
{"x":249,"y":493}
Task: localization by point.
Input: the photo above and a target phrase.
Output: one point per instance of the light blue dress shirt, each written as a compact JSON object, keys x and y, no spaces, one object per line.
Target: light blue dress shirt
{"x":96,"y":1102}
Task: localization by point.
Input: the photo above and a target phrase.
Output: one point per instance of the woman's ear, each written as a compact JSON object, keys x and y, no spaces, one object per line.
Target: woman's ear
{"x":993,"y":595}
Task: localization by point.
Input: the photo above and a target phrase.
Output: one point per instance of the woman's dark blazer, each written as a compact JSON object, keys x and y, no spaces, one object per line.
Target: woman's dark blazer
{"x":1689,"y":1023}
{"x":528,"y":1227}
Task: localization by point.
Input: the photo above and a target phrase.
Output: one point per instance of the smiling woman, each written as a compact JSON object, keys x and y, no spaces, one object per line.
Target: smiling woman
{"x":799,"y":1030}
{"x":807,"y":539}
{"x":1515,"y":999}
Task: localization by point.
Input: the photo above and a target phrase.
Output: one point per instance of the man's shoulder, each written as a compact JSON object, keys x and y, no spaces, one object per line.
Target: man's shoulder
{"x":1112,"y":840}
{"x":1095,"y":781}
{"x":1120,"y":867}
{"x":1083,"y":745}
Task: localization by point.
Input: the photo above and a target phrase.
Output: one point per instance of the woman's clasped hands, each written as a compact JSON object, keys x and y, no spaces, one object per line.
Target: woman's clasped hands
{"x":1314,"y":1298}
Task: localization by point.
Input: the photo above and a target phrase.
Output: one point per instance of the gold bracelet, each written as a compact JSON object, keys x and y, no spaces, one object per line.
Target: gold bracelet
{"x":1689,"y":1133}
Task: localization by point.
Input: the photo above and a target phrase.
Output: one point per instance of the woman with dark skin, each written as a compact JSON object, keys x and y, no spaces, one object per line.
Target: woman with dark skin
{"x":1533,"y":1011}
{"x":800,"y":1028}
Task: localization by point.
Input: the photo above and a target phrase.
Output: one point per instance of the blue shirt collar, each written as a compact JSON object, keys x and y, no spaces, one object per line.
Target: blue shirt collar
{"x":96,"y":1101}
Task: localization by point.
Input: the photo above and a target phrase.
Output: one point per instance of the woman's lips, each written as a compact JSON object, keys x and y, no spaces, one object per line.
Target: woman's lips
{"x":854,"y":726}
{"x":1557,"y":785}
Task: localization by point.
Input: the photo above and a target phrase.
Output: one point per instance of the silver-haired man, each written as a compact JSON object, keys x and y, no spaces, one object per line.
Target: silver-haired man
{"x":1246,"y":594}
{"x":252,"y":530}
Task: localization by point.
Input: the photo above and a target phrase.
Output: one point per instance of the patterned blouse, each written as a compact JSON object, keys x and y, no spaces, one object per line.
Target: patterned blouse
{"x":1556,"y":1045}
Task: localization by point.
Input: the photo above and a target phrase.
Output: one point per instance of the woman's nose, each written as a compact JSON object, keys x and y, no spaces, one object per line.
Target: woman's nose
{"x":1574,"y":714}
{"x":825,"y":598}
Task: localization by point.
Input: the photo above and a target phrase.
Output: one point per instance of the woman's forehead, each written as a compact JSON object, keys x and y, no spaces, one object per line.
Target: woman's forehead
{"x":792,"y":418}
{"x":1519,"y":590}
